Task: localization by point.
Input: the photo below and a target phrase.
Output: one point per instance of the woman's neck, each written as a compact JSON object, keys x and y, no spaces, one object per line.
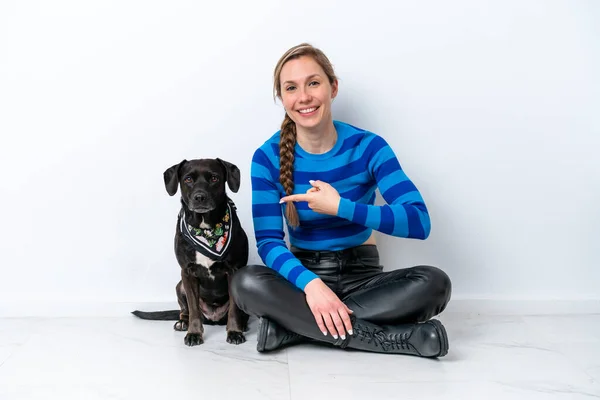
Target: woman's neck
{"x":317,"y":141}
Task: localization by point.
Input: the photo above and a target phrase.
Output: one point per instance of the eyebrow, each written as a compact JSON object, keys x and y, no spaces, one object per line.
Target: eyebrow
{"x":307,"y":78}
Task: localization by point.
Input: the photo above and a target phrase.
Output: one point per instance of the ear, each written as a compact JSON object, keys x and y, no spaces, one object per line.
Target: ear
{"x":232,"y":175}
{"x":171,"y":178}
{"x":334,"y":89}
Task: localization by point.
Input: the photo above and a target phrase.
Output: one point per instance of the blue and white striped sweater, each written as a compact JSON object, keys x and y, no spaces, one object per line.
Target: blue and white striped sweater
{"x":359,"y":163}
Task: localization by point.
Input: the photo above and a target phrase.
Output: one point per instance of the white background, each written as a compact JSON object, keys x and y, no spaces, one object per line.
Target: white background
{"x":491,"y":107}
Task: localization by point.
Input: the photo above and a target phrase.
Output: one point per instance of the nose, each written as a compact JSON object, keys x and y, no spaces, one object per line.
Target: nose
{"x":199,"y":196}
{"x":305,"y":97}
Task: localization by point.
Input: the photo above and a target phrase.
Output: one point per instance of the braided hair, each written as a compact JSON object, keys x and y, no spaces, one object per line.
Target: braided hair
{"x":287,"y":142}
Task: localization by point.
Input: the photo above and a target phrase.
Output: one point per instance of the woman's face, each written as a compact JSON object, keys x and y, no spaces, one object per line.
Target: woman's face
{"x":307,"y":94}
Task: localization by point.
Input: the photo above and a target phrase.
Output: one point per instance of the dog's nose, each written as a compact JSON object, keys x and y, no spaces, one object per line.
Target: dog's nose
{"x":200,"y":196}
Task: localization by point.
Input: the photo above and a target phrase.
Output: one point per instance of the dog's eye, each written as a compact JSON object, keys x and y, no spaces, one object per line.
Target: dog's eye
{"x":187,"y":180}
{"x":214,"y":178}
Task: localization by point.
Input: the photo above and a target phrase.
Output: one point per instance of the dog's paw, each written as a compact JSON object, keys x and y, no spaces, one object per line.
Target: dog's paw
{"x":181,"y":325}
{"x":193,"y":339}
{"x":235,"y":337}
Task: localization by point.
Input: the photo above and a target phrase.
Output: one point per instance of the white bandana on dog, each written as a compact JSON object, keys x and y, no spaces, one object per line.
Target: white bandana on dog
{"x":212,"y":242}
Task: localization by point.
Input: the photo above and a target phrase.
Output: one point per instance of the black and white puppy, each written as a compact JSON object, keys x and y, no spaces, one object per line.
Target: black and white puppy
{"x":210,"y":246}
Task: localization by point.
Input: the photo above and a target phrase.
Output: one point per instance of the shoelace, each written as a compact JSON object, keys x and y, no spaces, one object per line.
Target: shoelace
{"x":378,"y":337}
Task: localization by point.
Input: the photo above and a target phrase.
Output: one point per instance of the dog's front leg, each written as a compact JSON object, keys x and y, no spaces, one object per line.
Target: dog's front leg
{"x":237,"y":320}
{"x":195,"y":330}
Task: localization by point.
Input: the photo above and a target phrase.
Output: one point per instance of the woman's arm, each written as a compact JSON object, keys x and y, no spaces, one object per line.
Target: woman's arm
{"x":405,"y":214}
{"x":268,"y":223}
{"x":328,"y":310}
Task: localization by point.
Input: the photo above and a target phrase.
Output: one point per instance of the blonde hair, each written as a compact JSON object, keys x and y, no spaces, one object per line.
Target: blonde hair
{"x":287,"y":140}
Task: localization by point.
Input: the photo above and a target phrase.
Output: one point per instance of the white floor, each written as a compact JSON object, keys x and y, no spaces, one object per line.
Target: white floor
{"x":503,"y":357}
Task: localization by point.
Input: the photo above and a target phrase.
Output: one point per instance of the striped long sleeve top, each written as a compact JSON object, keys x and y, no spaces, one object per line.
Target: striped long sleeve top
{"x":358,"y":164}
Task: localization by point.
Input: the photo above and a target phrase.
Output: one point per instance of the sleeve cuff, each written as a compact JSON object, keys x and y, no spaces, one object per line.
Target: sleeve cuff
{"x":346,"y":209}
{"x":305,"y":278}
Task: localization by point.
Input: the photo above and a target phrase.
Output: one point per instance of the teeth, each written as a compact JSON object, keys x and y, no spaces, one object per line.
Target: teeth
{"x":307,"y":110}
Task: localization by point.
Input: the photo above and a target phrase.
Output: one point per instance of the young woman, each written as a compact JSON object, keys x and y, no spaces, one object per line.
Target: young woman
{"x":329,"y":286}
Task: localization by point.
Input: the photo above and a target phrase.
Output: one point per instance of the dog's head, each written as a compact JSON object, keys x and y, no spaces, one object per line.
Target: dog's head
{"x":202,"y":182}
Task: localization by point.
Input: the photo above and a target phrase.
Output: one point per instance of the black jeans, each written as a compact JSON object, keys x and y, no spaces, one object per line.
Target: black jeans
{"x":401,"y":296}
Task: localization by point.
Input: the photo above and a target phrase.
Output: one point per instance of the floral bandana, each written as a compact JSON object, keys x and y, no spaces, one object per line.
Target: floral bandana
{"x":213,"y":242}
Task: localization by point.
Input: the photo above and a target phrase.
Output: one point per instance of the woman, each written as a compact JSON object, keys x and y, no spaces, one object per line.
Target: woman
{"x":329,"y":286}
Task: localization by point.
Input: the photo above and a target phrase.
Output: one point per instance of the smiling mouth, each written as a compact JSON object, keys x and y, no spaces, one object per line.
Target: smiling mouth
{"x":308,"y":110}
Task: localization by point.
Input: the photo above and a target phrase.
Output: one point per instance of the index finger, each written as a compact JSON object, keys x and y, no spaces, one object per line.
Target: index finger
{"x":294,"y":197}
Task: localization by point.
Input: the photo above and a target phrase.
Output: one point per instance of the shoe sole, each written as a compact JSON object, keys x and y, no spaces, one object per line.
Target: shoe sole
{"x":262,"y":336}
{"x":443,"y":337}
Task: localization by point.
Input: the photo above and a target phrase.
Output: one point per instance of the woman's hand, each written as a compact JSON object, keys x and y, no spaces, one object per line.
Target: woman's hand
{"x":321,"y":198}
{"x":329,"y":311}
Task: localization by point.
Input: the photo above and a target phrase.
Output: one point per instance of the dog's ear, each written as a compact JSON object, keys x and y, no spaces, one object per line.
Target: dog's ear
{"x":232,"y":175}
{"x":171,"y":177}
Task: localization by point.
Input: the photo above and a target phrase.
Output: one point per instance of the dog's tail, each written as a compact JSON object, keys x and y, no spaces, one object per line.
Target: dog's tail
{"x":171,"y":315}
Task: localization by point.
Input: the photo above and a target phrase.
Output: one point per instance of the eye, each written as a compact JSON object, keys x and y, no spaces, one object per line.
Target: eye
{"x":313,"y":83}
{"x":214,"y":178}
{"x":290,"y":88}
{"x":187,"y":179}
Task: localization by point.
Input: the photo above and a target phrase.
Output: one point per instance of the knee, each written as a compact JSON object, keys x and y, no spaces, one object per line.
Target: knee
{"x":437,"y":282}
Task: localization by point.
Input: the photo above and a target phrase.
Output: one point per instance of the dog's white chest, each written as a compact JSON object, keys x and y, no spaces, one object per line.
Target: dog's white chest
{"x":205,"y":262}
